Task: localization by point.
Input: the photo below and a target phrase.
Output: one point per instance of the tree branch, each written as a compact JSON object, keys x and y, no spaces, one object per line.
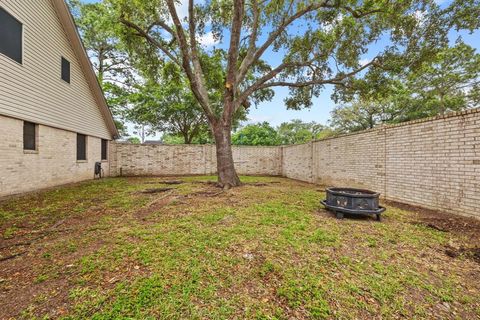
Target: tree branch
{"x":194,"y":76}
{"x":231,"y":76}
{"x":198,"y":72}
{"x":144,"y":34}
{"x":263,"y":84}
{"x":274,"y":35}
{"x":249,"y":60}
{"x":251,"y":46}
{"x":162,"y":24}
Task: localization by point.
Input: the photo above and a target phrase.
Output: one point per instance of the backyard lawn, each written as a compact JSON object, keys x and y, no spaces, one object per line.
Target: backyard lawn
{"x":134,"y":248}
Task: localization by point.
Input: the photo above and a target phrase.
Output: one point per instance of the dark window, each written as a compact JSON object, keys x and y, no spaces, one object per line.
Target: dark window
{"x":10,"y":36}
{"x":65,"y":70}
{"x":29,"y":136}
{"x":81,"y":147}
{"x":104,"y":149}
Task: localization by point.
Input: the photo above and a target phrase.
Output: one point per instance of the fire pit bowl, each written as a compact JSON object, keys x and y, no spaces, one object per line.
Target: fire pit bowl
{"x":353,"y":201}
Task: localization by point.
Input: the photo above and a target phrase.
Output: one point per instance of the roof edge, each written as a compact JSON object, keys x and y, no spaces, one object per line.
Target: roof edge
{"x":70,"y":28}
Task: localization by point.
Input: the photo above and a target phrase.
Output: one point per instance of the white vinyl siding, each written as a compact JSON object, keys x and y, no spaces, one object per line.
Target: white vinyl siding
{"x":34,"y":91}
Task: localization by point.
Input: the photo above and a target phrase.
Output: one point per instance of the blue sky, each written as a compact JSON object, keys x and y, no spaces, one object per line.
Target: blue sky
{"x":275,"y":112}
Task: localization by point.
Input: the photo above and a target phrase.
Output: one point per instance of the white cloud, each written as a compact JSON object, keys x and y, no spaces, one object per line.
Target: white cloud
{"x":182,"y":7}
{"x":420,"y":17}
{"x":182,"y":12}
{"x":364,"y":61}
{"x":327,"y":27}
{"x":259,"y":118}
{"x":207,"y":39}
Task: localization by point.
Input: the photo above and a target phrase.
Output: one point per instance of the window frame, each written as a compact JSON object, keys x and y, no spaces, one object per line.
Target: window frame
{"x":104,"y":149}
{"x":85,"y":147}
{"x":35,"y":137}
{"x":62,"y":60}
{"x":22,"y":42}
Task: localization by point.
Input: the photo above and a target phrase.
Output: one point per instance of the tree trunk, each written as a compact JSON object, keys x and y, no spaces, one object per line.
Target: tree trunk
{"x":186,"y":138}
{"x":227,"y":176}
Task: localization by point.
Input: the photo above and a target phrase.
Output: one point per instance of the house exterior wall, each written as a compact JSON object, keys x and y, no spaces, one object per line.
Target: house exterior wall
{"x":34,"y":90}
{"x":53,"y":163}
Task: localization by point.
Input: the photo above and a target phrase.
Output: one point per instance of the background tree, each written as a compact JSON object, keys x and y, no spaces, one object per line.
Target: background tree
{"x":107,"y":55}
{"x":134,"y":140}
{"x":166,"y":104}
{"x":318,"y":43}
{"x":448,"y":81}
{"x":204,"y":138}
{"x":261,"y":134}
{"x":169,"y":108}
{"x":361,"y":115}
{"x":143,"y":130}
{"x":297,"y":131}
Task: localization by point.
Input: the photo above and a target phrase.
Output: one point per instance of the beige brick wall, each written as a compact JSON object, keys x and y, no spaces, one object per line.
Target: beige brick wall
{"x":54,"y":164}
{"x":355,"y":160}
{"x":141,"y":159}
{"x":434,"y":163}
{"x":297,"y":162}
{"x":257,"y":160}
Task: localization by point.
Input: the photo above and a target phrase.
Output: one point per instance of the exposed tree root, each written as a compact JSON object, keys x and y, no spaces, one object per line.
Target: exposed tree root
{"x":156,"y":190}
{"x":12,"y":256}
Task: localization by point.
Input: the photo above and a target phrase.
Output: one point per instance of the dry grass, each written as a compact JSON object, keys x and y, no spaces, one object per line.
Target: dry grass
{"x":266,"y":250}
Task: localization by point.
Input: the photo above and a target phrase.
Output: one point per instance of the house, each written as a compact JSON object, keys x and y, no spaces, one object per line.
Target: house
{"x":54,"y":120}
{"x":153,"y":142}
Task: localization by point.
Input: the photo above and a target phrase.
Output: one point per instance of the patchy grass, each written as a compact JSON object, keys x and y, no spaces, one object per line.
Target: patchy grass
{"x":266,"y":250}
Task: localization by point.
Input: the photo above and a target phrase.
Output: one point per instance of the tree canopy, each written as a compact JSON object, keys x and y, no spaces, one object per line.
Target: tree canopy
{"x":449,"y":81}
{"x":262,"y":134}
{"x":292,"y":132}
{"x":296,"y":131}
{"x":314,"y":42}
{"x":107,"y":54}
{"x":165,"y":104}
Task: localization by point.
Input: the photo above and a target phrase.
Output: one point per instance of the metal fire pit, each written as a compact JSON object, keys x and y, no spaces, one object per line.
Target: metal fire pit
{"x":353,"y":201}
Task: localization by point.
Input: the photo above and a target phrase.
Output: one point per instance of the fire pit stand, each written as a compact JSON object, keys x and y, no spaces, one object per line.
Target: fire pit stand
{"x":353,"y":201}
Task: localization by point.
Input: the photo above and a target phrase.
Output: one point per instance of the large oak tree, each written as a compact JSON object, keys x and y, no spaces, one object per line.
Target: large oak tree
{"x":300,"y":44}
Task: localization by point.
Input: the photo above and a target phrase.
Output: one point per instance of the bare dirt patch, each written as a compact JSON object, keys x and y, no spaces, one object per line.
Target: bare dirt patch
{"x":27,"y":275}
{"x":155,"y":205}
{"x":465,"y":227}
{"x":172,"y":182}
{"x":470,"y":253}
{"x":443,"y":221}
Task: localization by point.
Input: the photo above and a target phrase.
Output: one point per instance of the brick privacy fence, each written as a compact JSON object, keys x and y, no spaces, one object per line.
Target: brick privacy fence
{"x":433,"y":163}
{"x":143,"y":159}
